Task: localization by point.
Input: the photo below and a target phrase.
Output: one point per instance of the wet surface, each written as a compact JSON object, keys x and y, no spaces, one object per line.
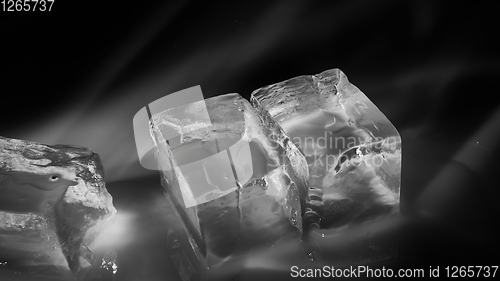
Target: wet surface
{"x":143,"y":251}
{"x":144,"y":248}
{"x":141,"y":236}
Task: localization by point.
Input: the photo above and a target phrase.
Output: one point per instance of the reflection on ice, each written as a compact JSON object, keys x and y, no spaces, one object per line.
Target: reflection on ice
{"x":244,"y":185}
{"x":353,"y":151}
{"x":349,"y":245}
{"x":238,"y":184}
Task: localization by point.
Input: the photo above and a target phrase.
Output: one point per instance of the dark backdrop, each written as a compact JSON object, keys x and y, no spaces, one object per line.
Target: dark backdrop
{"x":78,"y":74}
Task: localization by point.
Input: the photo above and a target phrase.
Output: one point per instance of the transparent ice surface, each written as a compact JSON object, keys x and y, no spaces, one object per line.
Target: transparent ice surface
{"x":352,"y":149}
{"x":230,"y":176}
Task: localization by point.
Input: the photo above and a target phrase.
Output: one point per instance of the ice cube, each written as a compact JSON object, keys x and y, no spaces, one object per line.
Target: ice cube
{"x":53,"y":205}
{"x":236,"y":181}
{"x":353,"y":150}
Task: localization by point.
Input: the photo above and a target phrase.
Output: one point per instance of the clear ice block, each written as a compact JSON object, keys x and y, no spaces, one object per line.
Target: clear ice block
{"x":53,"y":206}
{"x":236,"y":181}
{"x":352,"y":149}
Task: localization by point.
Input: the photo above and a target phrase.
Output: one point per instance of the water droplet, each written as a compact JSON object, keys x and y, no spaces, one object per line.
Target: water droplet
{"x":109,"y":265}
{"x":331,"y":124}
{"x":310,"y":257}
{"x":293,"y":217}
{"x":235,"y":102}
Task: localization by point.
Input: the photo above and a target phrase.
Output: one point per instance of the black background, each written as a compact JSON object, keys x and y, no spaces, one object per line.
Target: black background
{"x":79,"y":73}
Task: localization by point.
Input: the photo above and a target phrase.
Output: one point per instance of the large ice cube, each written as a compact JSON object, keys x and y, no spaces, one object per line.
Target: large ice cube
{"x":230,"y":176}
{"x":53,"y":206}
{"x":353,"y":150}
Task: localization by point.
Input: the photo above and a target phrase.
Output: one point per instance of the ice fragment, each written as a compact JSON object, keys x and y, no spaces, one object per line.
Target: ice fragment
{"x":53,"y":205}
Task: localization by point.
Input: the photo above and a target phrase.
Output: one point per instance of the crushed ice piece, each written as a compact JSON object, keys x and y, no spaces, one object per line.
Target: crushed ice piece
{"x":53,"y":206}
